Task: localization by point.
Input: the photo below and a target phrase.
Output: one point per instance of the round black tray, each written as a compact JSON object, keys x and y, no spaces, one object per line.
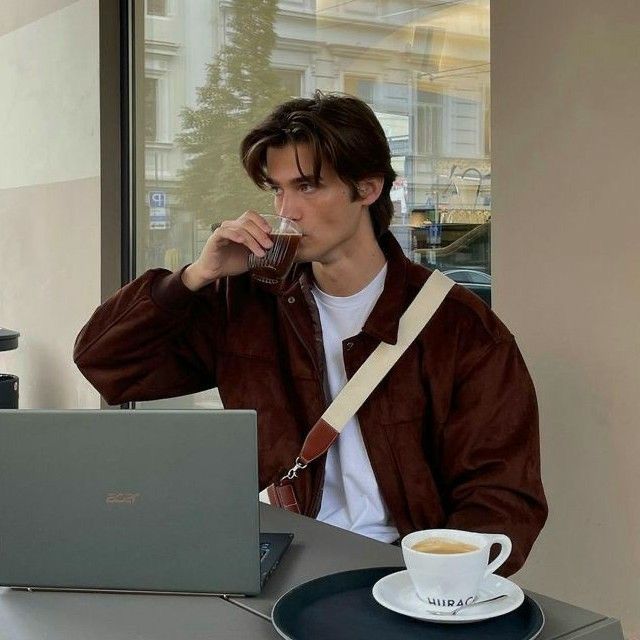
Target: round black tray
{"x":340,"y":606}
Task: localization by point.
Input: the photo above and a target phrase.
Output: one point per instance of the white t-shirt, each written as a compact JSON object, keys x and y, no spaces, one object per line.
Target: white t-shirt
{"x":351,"y":497}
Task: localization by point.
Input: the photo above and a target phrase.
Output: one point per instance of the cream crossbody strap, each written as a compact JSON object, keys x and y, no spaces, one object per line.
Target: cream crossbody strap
{"x":376,"y":366}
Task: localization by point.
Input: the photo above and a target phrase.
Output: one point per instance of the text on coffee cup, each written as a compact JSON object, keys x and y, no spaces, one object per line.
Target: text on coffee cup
{"x":450,"y":602}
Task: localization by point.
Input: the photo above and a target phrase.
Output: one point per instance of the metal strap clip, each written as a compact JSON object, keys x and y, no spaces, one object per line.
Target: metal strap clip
{"x":293,"y":472}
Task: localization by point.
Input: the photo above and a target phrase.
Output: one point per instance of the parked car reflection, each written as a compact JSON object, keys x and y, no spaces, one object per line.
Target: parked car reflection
{"x":477,"y":281}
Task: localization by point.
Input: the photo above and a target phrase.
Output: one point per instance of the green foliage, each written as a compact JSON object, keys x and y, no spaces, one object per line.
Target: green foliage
{"x":240,"y":90}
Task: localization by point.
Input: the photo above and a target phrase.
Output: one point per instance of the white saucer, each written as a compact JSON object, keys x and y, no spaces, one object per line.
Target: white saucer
{"x":396,"y":592}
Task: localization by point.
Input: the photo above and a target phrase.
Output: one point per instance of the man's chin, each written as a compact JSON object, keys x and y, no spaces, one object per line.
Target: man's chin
{"x":309,"y":254}
{"x":303,"y":255}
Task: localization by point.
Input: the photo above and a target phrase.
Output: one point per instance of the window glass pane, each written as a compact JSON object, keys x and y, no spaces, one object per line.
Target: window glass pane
{"x":213,"y":68}
{"x":291,"y":81}
{"x":150,"y":109}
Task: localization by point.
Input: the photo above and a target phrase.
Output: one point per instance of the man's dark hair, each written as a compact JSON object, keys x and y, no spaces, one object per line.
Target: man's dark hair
{"x":338,"y":128}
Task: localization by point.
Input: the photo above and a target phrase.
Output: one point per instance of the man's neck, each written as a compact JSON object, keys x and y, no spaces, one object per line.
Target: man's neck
{"x":350,"y":274}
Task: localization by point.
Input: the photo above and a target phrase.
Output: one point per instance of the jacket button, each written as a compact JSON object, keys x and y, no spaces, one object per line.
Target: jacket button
{"x":291,"y":299}
{"x":348,"y":346}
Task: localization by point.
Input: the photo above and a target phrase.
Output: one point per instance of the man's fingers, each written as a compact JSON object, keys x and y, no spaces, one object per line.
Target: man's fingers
{"x":241,"y":235}
{"x":258,"y":231}
{"x":248,"y":230}
{"x":251,"y":215}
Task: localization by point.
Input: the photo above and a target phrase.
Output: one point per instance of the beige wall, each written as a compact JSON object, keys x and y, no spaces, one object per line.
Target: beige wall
{"x":566,"y":225}
{"x":49,"y":193}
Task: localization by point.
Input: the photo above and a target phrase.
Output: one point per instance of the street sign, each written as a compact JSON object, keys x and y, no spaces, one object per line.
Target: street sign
{"x":157,"y":199}
{"x":158,"y":218}
{"x":158,"y":210}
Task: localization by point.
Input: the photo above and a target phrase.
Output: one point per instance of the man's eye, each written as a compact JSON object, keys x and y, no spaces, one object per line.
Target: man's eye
{"x":306,"y":187}
{"x":276,"y":190}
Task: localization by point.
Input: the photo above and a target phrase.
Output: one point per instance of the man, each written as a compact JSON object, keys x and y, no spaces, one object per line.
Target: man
{"x":448,"y":439}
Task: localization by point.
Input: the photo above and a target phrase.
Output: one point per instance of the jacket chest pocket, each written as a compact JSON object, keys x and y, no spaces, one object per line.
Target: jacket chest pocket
{"x":402,"y":396}
{"x":255,"y":339}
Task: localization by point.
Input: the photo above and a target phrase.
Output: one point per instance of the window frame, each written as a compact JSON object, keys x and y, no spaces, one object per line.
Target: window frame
{"x":117,"y":172}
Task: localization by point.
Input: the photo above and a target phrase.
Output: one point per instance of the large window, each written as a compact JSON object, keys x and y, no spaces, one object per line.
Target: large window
{"x":422,"y":66}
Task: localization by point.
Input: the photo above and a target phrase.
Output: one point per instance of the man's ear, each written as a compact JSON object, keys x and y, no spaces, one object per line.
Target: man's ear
{"x":369,"y":189}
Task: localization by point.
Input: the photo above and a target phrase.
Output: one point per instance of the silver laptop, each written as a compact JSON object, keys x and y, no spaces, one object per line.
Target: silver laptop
{"x":143,"y":501}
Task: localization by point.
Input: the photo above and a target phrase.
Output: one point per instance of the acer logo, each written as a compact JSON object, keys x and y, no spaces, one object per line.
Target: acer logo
{"x":117,"y":497}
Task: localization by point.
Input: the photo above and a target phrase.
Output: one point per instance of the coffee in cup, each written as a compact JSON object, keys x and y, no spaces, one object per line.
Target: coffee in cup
{"x":447,"y":566}
{"x":274,"y":266}
{"x":443,"y":545}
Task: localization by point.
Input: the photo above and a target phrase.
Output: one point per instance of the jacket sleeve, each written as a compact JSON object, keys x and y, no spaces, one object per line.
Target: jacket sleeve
{"x":153,"y":338}
{"x":490,"y":452}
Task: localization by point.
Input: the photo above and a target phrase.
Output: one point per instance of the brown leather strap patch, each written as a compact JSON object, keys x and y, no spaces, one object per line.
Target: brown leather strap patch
{"x":283,"y":496}
{"x":318,"y":440}
{"x":287,"y":497}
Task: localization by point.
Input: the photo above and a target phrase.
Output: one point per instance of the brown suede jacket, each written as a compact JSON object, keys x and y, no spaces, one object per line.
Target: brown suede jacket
{"x":451,"y":432}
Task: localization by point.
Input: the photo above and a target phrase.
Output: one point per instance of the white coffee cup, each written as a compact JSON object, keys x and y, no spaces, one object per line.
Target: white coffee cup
{"x":446,"y":581}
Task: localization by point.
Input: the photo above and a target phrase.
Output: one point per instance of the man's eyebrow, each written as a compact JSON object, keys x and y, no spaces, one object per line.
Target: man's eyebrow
{"x":299,"y":180}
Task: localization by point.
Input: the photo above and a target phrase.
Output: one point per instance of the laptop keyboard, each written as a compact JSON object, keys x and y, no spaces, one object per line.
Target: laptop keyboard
{"x":264,"y":549}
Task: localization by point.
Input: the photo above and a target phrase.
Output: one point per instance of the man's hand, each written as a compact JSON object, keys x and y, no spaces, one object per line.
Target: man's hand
{"x":227,"y":250}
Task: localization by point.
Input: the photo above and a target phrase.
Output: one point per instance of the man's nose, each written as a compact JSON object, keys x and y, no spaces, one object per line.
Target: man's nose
{"x":288,"y":208}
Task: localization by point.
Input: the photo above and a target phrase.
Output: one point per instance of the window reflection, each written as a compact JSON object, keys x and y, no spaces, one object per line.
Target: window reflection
{"x":214,"y":67}
{"x":150,"y":109}
{"x":157,"y":7}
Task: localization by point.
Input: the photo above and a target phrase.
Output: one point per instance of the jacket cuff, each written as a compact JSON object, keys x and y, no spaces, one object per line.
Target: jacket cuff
{"x":169,"y":292}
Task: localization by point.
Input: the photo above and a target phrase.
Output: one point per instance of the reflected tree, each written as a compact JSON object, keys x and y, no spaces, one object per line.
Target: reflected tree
{"x":241,"y":88}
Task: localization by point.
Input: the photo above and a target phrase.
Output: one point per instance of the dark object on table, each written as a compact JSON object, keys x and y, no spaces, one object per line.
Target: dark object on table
{"x":340,"y":606}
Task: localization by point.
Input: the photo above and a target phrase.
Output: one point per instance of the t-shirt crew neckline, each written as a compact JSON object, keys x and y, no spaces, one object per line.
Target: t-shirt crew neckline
{"x":343,"y":302}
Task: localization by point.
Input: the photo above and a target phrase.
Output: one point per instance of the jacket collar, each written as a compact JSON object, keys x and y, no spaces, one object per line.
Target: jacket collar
{"x":384,"y":319}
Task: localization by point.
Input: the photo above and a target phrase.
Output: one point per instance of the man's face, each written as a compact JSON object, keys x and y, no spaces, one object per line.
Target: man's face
{"x":332,"y":224}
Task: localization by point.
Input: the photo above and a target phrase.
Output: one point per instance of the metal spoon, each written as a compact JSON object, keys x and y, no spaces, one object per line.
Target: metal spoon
{"x":471,"y":604}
